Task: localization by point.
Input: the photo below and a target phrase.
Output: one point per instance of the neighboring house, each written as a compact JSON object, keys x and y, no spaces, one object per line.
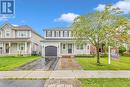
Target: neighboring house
{"x":59,"y":42}
{"x":127,"y":45}
{"x":21,"y":40}
{"x":128,"y":48}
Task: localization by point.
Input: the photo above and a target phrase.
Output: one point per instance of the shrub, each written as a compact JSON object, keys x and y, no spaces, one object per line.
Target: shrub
{"x":86,"y":55}
{"x":122,"y":49}
{"x":103,"y":55}
{"x":126,"y":54}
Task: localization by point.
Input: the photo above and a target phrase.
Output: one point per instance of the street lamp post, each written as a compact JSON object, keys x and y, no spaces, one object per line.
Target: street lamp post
{"x":109,"y":55}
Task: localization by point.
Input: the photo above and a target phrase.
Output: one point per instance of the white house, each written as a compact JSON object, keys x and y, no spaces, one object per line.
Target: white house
{"x":59,"y":42}
{"x":19,"y":40}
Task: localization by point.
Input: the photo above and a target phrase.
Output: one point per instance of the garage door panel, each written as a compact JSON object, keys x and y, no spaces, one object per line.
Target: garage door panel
{"x":50,"y":51}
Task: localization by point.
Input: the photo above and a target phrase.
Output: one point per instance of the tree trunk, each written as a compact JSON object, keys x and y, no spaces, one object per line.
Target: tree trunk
{"x":98,"y":56}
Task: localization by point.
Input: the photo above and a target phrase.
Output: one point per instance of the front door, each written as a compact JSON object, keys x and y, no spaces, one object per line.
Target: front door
{"x":7,"y":48}
{"x":0,"y":50}
{"x":69,"y":48}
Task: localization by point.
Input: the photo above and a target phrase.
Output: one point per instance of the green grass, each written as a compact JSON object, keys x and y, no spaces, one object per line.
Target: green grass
{"x":100,"y":82}
{"x":90,"y":64}
{"x":10,"y":63}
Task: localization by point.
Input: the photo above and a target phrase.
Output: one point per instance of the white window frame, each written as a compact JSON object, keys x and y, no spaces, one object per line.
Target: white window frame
{"x":1,"y":44}
{"x":22,"y":34}
{"x":49,"y":34}
{"x":21,"y":45}
{"x":64,"y":46}
{"x":65,"y":33}
{"x":57,"y":33}
{"x":7,"y":32}
{"x":80,"y":46}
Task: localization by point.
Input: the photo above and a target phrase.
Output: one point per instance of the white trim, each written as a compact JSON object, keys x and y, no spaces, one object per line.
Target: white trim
{"x":25,"y":47}
{"x":9,"y":47}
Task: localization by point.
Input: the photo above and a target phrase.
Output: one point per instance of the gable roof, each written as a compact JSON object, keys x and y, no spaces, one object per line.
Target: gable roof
{"x":21,"y":28}
{"x":5,"y":25}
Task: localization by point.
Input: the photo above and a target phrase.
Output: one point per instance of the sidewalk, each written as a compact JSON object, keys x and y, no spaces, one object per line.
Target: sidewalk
{"x":65,"y":74}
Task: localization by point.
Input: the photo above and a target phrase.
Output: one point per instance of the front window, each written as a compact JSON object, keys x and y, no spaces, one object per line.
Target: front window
{"x":129,"y":47}
{"x":1,"y":45}
{"x":88,"y":47}
{"x":21,"y":46}
{"x":80,"y":46}
{"x":63,"y":46}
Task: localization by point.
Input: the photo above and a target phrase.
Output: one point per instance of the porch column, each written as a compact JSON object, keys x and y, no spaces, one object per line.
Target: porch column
{"x":43,"y":50}
{"x":59,"y":47}
{"x":25,"y":47}
{"x":3,"y":48}
{"x":9,"y":47}
{"x":73,"y":48}
{"x":30,"y":48}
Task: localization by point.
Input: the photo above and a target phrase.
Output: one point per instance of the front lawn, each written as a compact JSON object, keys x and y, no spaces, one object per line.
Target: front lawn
{"x":100,"y":82}
{"x":10,"y":63}
{"x":90,"y":64}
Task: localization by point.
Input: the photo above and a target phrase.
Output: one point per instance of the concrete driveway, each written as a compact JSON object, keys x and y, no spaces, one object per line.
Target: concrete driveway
{"x":22,"y":83}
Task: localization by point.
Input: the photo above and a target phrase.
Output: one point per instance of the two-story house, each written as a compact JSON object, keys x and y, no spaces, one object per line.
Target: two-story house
{"x":19,"y":40}
{"x":60,"y":42}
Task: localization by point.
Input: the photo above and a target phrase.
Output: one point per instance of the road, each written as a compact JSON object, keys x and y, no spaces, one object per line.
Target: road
{"x":22,"y":83}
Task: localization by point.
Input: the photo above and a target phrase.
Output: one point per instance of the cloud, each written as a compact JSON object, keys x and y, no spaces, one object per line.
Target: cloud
{"x":100,"y":7}
{"x":66,"y":17}
{"x":15,"y":25}
{"x":3,"y":18}
{"x":123,"y":5}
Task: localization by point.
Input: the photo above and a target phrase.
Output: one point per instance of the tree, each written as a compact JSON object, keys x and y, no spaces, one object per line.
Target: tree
{"x":107,"y":27}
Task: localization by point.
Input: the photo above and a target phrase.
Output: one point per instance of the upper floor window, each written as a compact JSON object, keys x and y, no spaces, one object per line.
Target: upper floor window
{"x":70,"y":33}
{"x":56,"y":33}
{"x":49,"y":33}
{"x":7,"y":33}
{"x":65,"y":33}
{"x":22,"y":34}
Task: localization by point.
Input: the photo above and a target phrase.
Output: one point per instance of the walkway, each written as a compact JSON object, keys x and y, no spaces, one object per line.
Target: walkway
{"x":63,"y":83}
{"x":65,"y":74}
{"x":68,"y":64}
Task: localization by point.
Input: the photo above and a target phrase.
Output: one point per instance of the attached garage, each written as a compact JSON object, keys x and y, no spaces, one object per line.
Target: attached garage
{"x":51,"y":51}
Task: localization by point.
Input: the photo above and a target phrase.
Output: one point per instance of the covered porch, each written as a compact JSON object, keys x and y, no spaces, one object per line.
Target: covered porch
{"x":15,"y":48}
{"x":66,"y":49}
{"x":70,"y":49}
